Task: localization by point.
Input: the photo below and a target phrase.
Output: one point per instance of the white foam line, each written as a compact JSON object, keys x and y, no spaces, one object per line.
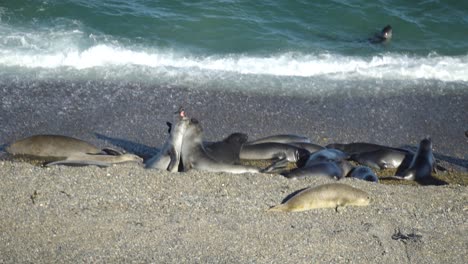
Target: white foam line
{"x":386,"y":66}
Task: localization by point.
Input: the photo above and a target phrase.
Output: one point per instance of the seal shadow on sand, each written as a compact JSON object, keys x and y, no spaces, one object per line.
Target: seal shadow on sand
{"x":452,"y":160}
{"x":141,"y":150}
{"x":291,"y":195}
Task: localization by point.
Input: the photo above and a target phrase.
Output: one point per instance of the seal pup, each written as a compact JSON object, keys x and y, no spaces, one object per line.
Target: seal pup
{"x":383,"y":36}
{"x":283,"y":138}
{"x":422,"y":164}
{"x":332,"y":195}
{"x":384,"y":158}
{"x":99,"y":160}
{"x":272,"y":150}
{"x":194,"y":155}
{"x":227,"y":150}
{"x":169,"y":156}
{"x":64,"y":150}
{"x":322,"y":155}
{"x":363,"y":173}
{"x":336,"y":170}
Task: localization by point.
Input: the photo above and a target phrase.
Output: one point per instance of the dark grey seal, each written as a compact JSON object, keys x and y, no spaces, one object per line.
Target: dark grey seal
{"x":336,"y":170}
{"x":322,"y":155}
{"x":363,"y":173}
{"x":421,"y":167}
{"x":272,"y":150}
{"x":384,"y":158}
{"x":383,"y":36}
{"x":227,"y":150}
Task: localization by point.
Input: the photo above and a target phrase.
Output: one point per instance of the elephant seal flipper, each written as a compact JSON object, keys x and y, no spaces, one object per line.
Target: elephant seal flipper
{"x":174,"y":159}
{"x":111,"y":151}
{"x":101,"y":164}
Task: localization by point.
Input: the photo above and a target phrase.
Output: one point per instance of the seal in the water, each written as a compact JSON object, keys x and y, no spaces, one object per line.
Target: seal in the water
{"x":272,"y":150}
{"x":194,"y":155}
{"x":331,"y":195}
{"x":63,"y":150}
{"x":336,"y":170}
{"x":384,"y":158}
{"x":227,"y":150}
{"x":285,"y":139}
{"x":422,"y":164}
{"x":169,"y":156}
{"x":383,"y":36}
{"x":363,"y":173}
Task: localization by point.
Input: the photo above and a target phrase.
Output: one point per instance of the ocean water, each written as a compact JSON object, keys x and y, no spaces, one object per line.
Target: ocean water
{"x":269,"y":46}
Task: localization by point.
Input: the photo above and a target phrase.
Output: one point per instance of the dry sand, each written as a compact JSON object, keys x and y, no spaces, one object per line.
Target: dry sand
{"x":128,"y":214}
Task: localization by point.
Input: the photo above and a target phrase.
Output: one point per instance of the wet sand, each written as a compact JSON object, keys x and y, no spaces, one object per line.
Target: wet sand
{"x":126,"y":213}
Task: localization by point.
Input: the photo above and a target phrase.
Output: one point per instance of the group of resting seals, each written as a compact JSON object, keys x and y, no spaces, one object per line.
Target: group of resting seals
{"x":185,"y":149}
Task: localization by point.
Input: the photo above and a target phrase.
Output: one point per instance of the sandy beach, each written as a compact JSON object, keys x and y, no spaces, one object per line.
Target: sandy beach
{"x":125,"y":213}
{"x":128,"y":214}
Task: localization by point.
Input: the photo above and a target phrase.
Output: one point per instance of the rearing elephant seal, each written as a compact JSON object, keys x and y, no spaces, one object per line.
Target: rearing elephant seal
{"x":63,"y":150}
{"x":169,"y":156}
{"x":330,"y":195}
{"x":194,"y":155}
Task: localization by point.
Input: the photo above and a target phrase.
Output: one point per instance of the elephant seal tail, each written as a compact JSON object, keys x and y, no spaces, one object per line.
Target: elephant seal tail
{"x":279,"y":208}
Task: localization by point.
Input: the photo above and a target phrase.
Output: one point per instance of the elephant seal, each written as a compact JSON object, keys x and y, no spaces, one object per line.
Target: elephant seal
{"x":359,"y":147}
{"x":311,"y":147}
{"x":384,"y":158}
{"x":194,"y":155}
{"x":64,"y":150}
{"x":363,"y":173}
{"x":383,"y":36}
{"x":285,"y":139}
{"x":336,"y":170}
{"x":169,"y":156}
{"x":322,"y":155}
{"x":272,"y":150}
{"x":227,"y":150}
{"x":422,"y":164}
{"x":332,"y":195}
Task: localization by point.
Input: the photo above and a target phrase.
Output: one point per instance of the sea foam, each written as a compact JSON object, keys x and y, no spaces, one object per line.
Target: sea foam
{"x":381,"y":66}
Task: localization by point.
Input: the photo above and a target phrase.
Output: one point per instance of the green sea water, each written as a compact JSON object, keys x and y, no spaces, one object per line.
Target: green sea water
{"x":263,"y":42}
